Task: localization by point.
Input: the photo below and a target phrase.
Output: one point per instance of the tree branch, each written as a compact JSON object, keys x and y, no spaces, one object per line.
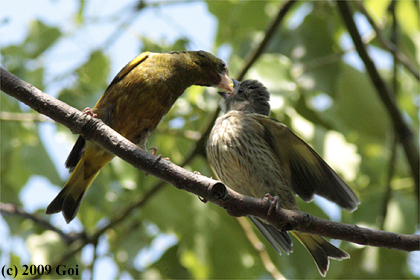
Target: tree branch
{"x":23,"y":117}
{"x":392,"y":160}
{"x":122,"y":215}
{"x":211,"y":190}
{"x":255,"y":53}
{"x":386,"y":94}
{"x":11,"y":209}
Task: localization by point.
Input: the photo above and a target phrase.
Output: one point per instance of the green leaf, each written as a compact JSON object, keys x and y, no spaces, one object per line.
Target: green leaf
{"x":91,"y":82}
{"x":163,"y":46}
{"x":312,"y":48}
{"x":38,"y":162}
{"x":273,"y":70}
{"x":407,"y":13}
{"x":93,"y":74}
{"x":358,"y":107}
{"x":79,"y":17}
{"x":13,"y":57}
{"x":170,"y":266}
{"x":311,"y":114}
{"x":239,"y":21}
{"x":22,"y":154}
{"x":40,"y":38}
{"x":17,"y":57}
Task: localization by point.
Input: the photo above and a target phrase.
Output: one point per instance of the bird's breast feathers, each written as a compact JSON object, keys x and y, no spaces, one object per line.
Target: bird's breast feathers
{"x":231,"y":127}
{"x":243,"y":159}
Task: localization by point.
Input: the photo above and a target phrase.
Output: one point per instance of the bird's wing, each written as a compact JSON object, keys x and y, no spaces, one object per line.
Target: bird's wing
{"x":132,"y":64}
{"x":79,"y":147}
{"x":307,"y":172}
{"x":123,"y":72}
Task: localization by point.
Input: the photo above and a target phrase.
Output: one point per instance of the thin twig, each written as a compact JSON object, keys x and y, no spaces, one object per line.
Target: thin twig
{"x":121,"y":216}
{"x":389,"y":45}
{"x":260,"y":248}
{"x":255,"y":53}
{"x":392,"y":160}
{"x":126,"y":23}
{"x":388,"y":191}
{"x":23,"y":117}
{"x":13,"y":210}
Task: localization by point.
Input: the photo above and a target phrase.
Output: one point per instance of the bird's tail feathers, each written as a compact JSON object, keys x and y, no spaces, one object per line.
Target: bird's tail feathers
{"x":321,"y":250}
{"x":70,"y":197}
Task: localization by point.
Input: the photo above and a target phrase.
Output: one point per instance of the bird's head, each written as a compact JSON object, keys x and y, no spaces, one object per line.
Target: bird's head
{"x":249,"y":96}
{"x":212,"y":70}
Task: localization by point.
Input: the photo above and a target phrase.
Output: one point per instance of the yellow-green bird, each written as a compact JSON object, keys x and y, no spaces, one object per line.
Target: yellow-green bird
{"x":256,"y":155}
{"x":133,"y":105}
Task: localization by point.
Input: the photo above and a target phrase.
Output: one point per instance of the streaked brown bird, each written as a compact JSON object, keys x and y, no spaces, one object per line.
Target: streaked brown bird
{"x":133,"y":105}
{"x":256,"y":155}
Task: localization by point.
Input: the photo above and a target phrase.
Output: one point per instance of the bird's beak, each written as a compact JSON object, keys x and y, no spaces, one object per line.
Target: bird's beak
{"x":234,"y":85}
{"x":225,"y":83}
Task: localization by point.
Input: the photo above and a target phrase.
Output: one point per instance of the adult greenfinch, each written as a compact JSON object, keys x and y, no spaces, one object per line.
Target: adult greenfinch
{"x":133,"y":105}
{"x":256,"y":155}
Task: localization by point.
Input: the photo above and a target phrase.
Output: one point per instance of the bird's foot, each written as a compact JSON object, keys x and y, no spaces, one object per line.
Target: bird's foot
{"x":159,"y":157}
{"x":154,"y":150}
{"x":89,"y":112}
{"x":274,"y":203}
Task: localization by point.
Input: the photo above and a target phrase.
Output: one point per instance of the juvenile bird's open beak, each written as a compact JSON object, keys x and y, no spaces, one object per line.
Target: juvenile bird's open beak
{"x":235,"y":83}
{"x":225,"y":83}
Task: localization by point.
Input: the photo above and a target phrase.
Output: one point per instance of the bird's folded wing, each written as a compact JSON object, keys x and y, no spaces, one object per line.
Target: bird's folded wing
{"x":79,"y":147}
{"x":132,"y":64}
{"x":307,"y":172}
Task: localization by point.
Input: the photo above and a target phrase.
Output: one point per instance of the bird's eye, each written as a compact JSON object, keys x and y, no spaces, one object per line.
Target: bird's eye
{"x":240,"y":90}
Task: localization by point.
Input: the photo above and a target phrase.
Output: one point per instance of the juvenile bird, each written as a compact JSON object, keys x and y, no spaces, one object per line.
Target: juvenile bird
{"x":133,"y":105}
{"x":256,"y":155}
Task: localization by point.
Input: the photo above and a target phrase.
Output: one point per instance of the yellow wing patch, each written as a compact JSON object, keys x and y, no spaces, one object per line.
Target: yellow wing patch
{"x":136,"y":61}
{"x":123,"y":72}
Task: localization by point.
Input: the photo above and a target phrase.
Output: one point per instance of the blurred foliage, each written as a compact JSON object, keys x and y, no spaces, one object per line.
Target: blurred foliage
{"x":314,"y":91}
